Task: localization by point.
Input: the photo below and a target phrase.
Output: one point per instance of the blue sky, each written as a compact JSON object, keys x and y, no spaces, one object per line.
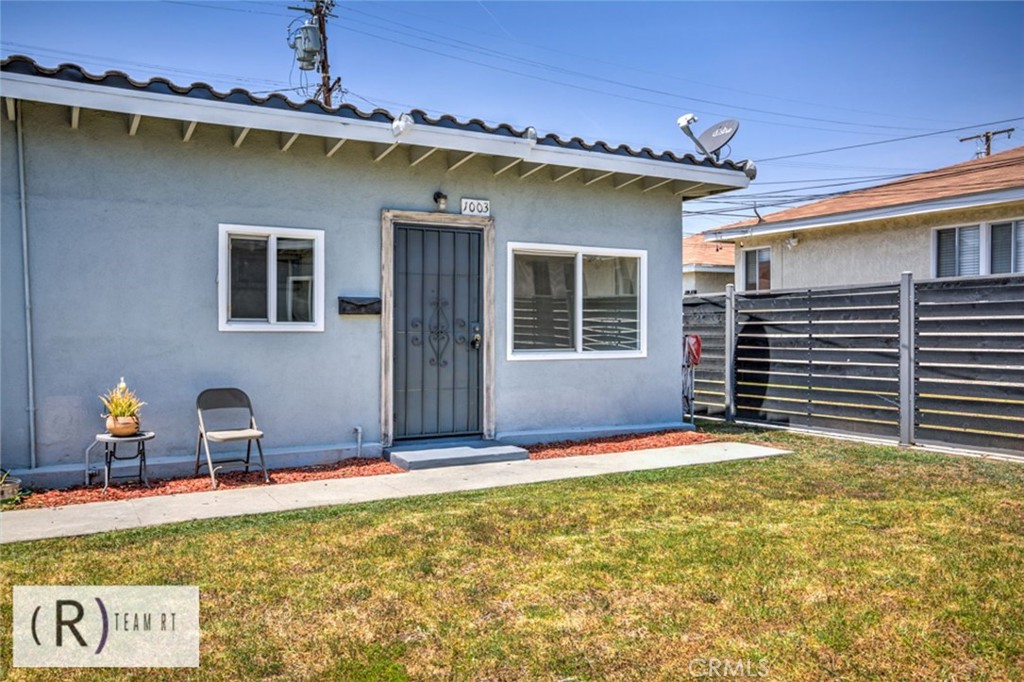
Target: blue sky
{"x":800,"y":77}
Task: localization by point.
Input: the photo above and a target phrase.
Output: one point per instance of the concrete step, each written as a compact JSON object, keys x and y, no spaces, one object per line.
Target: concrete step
{"x":431,"y":454}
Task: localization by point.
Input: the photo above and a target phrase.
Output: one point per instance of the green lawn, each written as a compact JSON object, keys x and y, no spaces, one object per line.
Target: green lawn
{"x":842,"y":561}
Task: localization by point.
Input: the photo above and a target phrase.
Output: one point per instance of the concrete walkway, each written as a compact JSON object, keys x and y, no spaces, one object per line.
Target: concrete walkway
{"x":99,"y":517}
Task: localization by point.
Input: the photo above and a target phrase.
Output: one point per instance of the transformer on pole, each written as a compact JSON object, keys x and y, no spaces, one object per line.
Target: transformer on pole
{"x":309,"y":41}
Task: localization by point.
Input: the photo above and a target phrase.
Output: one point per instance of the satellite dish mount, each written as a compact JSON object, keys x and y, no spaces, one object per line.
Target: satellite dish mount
{"x":712,"y":140}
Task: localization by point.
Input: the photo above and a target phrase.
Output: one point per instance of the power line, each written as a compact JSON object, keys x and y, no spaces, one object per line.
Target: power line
{"x":585,"y":88}
{"x":64,"y":54}
{"x":895,"y":139}
{"x":851,"y":178}
{"x":574,"y":55}
{"x":900,"y":189}
{"x":907,"y":196}
{"x":457,"y":44}
{"x":224,"y":7}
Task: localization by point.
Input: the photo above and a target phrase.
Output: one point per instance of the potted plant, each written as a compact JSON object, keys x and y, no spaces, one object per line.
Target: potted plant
{"x":122,"y":410}
{"x":10,"y":487}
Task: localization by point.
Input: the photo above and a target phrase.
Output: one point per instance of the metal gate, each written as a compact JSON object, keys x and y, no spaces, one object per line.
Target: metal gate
{"x":437,"y":332}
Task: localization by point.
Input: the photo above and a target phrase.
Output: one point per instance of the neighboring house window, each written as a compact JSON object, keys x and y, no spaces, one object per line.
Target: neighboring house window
{"x":988,"y":248}
{"x":1008,"y":247}
{"x":757,"y":269}
{"x":576,"y":302}
{"x":270,"y":279}
{"x":958,"y":252}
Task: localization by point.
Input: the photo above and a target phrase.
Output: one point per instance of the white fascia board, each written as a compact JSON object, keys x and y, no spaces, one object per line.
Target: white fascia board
{"x":630,"y":165}
{"x":696,"y":267}
{"x":851,"y":218}
{"x":183,"y":108}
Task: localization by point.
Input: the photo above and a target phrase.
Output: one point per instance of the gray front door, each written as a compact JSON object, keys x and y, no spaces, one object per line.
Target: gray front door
{"x":438,"y":334}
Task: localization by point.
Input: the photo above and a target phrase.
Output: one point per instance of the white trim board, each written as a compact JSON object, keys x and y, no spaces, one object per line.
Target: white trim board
{"x":388,"y":220}
{"x":188,"y":109}
{"x":695,"y":267}
{"x":578,"y":354}
{"x":224,"y":324}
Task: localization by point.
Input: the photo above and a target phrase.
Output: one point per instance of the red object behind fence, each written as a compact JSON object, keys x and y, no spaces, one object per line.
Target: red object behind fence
{"x":693,"y":349}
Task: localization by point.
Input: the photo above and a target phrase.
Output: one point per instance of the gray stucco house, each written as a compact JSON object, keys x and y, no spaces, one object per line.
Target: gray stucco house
{"x":186,"y":239}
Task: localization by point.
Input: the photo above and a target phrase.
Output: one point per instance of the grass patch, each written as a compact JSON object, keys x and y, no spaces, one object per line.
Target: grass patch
{"x":844,"y":561}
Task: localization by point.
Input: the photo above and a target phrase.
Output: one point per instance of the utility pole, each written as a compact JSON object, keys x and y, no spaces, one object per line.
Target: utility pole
{"x":987,"y":136}
{"x":320,"y":11}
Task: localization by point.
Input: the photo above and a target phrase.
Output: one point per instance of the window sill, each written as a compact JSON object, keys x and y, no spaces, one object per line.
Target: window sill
{"x":521,"y":356}
{"x":265,"y":327}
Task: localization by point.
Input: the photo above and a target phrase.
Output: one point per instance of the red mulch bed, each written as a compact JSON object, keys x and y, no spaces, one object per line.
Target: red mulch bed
{"x":347,"y":468}
{"x":609,"y":444}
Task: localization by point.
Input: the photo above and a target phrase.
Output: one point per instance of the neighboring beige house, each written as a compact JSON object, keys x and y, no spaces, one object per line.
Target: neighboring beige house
{"x":962,"y":220}
{"x":707,"y":268}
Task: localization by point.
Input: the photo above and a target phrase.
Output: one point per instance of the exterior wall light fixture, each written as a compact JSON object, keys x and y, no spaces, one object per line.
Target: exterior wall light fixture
{"x":441,"y":199}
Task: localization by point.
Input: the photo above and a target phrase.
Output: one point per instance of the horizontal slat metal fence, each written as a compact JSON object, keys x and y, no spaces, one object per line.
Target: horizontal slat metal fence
{"x":705,"y":316}
{"x":969,"y":362}
{"x":936,"y":362}
{"x":826,"y":359}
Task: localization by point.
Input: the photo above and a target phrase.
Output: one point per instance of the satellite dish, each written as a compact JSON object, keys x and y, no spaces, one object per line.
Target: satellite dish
{"x":717,"y":136}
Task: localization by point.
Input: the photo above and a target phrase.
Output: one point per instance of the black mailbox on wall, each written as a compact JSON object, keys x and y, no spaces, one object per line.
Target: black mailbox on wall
{"x":358,"y":305}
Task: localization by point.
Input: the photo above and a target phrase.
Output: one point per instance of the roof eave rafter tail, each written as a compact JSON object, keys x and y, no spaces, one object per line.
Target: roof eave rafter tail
{"x":627,"y":182}
{"x":9,"y":105}
{"x":527,"y":155}
{"x":287,"y":140}
{"x":133,"y":124}
{"x":558,"y":177}
{"x":418,"y":156}
{"x":238,"y":136}
{"x":76,"y":113}
{"x":188,"y":129}
{"x":502,"y":164}
{"x":527,"y":172}
{"x":331,"y":147}
{"x":689,"y":188}
{"x":381,"y":151}
{"x":654,"y":183}
{"x":455,"y":159}
{"x":597,"y":177}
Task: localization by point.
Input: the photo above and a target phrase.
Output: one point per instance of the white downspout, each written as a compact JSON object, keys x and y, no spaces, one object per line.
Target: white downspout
{"x":28,"y":290}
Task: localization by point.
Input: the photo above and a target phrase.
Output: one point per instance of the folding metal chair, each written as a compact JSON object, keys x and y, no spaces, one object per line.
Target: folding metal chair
{"x":213,"y":399}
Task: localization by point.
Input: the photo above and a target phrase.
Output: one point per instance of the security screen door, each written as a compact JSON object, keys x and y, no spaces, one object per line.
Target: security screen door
{"x":438,"y":334}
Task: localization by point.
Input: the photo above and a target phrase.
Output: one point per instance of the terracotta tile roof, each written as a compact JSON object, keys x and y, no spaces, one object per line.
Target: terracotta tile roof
{"x":697,"y":251}
{"x":118,"y":79}
{"x":1004,"y":170}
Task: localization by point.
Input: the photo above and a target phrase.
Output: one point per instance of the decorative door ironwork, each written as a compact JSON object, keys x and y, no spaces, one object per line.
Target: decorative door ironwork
{"x":438,"y":308}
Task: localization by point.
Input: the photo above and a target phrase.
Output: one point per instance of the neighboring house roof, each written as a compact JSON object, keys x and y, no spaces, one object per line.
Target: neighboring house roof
{"x":701,"y":256}
{"x":70,"y":85}
{"x":985,"y":181}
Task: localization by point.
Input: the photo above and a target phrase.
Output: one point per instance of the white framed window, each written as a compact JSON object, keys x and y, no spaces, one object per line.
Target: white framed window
{"x":958,"y":251}
{"x":757,"y":269}
{"x":982,"y":249}
{"x":1007,"y":242}
{"x":270,"y":279}
{"x":574,"y":302}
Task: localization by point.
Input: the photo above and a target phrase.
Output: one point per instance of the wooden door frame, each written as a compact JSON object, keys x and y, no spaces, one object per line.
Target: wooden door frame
{"x":388,"y":220}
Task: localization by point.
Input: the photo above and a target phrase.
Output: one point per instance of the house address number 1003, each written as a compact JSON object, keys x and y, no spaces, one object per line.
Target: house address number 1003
{"x":476,"y":207}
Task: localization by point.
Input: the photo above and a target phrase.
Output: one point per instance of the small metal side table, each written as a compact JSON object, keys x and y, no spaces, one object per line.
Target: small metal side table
{"x":110,"y":444}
